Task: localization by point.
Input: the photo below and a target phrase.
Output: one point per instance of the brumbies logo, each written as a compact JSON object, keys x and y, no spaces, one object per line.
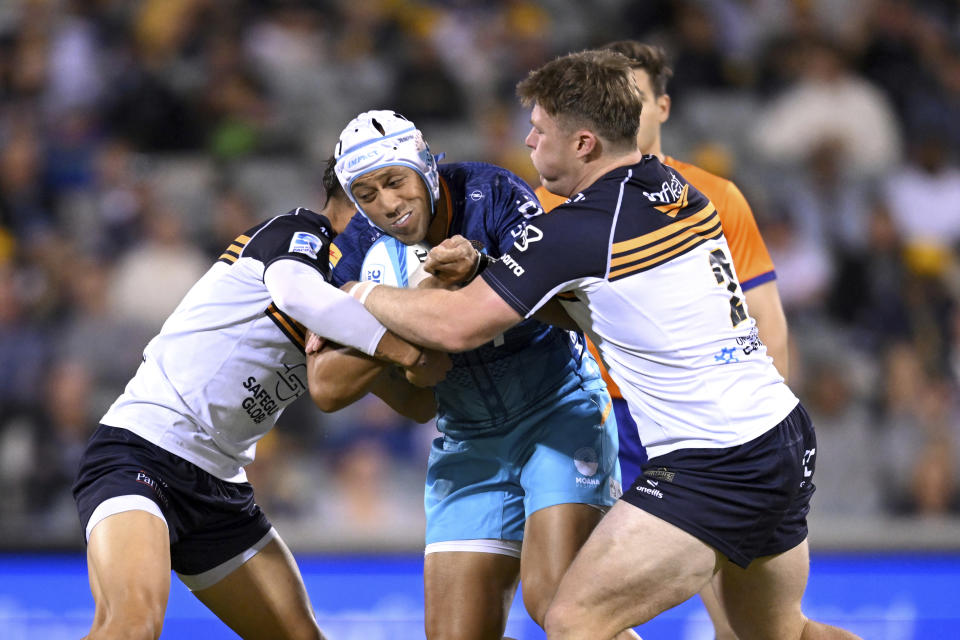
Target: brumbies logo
{"x":305,"y":243}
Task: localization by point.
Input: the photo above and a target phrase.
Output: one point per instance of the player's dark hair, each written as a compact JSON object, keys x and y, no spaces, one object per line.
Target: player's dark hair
{"x":331,"y":184}
{"x":648,"y":57}
{"x":591,"y":89}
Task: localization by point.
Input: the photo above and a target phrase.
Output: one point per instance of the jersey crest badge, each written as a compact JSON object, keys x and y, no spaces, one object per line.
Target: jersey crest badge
{"x":305,"y":243}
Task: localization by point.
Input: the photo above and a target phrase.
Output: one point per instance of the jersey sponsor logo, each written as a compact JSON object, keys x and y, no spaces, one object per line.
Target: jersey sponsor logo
{"x":512,"y":264}
{"x":526,"y":235}
{"x":750,"y":342}
{"x":656,"y":493}
{"x":669,"y":192}
{"x":259,"y":404}
{"x":143,"y":478}
{"x":476,"y":195}
{"x":291,"y":384}
{"x":335,"y":255}
{"x":305,"y":243}
{"x":676,"y":207}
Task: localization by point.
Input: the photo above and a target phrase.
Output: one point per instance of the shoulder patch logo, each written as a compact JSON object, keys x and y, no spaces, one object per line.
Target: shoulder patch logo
{"x":335,"y":255}
{"x":305,"y":243}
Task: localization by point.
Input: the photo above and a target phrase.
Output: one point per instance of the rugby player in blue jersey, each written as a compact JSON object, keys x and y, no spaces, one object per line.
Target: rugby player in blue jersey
{"x":640,"y":259}
{"x":526,"y":461}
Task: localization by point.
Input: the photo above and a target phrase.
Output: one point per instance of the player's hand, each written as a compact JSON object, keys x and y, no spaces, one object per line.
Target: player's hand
{"x":314,"y":343}
{"x":430,"y":369}
{"x":453,"y":261}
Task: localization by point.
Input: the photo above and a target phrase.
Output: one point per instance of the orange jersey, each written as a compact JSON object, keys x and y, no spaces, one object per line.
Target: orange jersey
{"x":751,"y":260}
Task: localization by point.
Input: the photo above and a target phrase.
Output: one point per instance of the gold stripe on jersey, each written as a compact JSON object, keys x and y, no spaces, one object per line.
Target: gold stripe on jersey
{"x":656,"y":247}
{"x":295,"y":331}
{"x":234,"y":250}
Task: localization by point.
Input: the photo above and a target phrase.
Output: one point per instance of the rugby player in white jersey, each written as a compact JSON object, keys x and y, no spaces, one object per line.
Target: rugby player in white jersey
{"x":162,"y":482}
{"x":640,"y":258}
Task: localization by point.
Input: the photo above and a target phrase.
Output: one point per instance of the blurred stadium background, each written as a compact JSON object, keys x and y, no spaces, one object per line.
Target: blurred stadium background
{"x":138,"y":137}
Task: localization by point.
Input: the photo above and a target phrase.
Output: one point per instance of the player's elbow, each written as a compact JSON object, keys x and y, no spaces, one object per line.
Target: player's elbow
{"x":328,"y":398}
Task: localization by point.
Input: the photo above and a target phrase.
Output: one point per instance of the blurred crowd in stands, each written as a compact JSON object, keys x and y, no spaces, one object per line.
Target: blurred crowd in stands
{"x":138,"y":137}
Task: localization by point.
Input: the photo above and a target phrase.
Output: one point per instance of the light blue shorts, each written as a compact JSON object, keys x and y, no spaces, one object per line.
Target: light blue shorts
{"x":564,"y":452}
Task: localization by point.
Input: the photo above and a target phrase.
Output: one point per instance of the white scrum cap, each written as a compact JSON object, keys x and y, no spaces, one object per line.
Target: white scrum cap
{"x":377,"y":139}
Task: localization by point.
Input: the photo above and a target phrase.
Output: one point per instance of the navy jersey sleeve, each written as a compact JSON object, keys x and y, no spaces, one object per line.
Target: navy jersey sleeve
{"x":552,"y":251}
{"x":300,"y":235}
{"x":514,"y":206}
{"x":349,"y":248}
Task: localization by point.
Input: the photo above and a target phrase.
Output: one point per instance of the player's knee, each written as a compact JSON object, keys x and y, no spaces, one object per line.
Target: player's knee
{"x":560,"y":621}
{"x":536,"y":598}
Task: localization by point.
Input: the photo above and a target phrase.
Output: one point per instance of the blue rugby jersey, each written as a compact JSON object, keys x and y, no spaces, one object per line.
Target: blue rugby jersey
{"x":493,"y":385}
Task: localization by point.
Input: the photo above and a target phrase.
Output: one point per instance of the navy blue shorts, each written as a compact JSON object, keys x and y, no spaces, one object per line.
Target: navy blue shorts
{"x":747,"y":501}
{"x":210,"y":521}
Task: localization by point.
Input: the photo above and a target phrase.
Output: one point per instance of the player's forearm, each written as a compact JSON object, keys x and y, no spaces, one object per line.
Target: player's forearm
{"x":427,"y":317}
{"x":417,"y":403}
{"x":339,"y":376}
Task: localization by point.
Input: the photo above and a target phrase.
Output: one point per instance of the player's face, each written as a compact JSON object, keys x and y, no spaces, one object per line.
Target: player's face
{"x":396,"y":200}
{"x":553,"y":152}
{"x":655,"y":112}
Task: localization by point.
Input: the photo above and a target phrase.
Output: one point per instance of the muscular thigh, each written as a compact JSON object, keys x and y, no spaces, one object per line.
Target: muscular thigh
{"x":634,"y":566}
{"x":264,"y":597}
{"x":552,"y":539}
{"x":763,"y":600}
{"x":468,"y":594}
{"x":128,"y":561}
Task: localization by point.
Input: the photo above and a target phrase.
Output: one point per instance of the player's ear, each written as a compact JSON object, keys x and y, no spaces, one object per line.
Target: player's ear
{"x":586,"y":142}
{"x":663,"y":107}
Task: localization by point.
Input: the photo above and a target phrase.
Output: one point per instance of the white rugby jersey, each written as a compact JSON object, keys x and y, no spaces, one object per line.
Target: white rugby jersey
{"x":641,"y":264}
{"x":227,"y":361}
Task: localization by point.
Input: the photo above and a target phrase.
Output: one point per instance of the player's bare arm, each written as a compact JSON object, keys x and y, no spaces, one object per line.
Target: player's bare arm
{"x":764,"y":304}
{"x":450,"y":321}
{"x":339,"y":376}
{"x":455,"y":260}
